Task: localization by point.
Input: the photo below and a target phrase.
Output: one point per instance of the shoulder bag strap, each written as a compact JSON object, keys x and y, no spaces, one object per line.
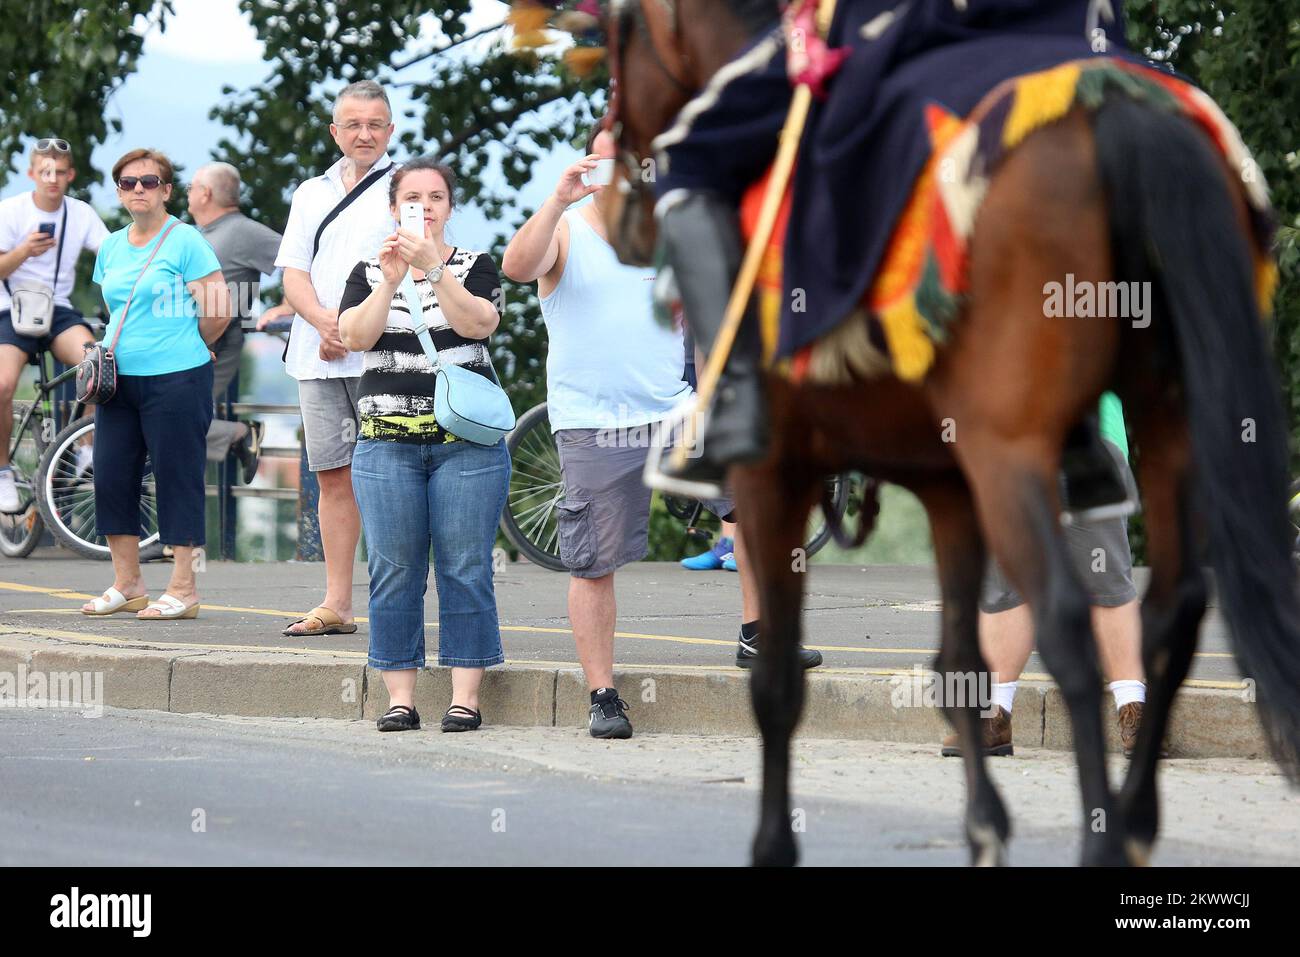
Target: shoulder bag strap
{"x":373,"y":177}
{"x":58,"y":253}
{"x":58,"y":257}
{"x":412,"y":296}
{"x":126,"y":311}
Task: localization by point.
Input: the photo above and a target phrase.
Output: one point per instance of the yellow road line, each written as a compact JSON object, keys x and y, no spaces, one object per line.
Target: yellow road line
{"x":533,"y":629}
{"x":147,"y":645}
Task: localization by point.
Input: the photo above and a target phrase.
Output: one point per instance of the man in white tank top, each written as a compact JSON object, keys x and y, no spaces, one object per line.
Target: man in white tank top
{"x":612,"y":373}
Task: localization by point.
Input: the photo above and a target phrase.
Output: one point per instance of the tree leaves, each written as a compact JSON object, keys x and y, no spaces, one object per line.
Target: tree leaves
{"x":1244,"y":53}
{"x":61,"y":62}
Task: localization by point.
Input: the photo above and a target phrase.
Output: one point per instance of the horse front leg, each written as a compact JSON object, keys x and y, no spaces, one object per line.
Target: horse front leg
{"x":778,"y":499}
{"x":959,"y":554}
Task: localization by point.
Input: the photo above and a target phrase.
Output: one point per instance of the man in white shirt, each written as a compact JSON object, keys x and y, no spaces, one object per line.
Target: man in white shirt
{"x":41,"y":235}
{"x":336,"y":220}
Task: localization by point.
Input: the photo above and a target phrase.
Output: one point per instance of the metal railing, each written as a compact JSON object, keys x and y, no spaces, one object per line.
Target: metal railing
{"x":228,"y":489}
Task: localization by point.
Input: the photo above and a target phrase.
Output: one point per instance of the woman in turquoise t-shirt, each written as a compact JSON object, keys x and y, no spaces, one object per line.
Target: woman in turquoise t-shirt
{"x":167,"y":301}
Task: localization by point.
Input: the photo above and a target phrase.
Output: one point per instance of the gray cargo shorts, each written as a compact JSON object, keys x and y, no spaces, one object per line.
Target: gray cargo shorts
{"x":329,"y":421}
{"x":604,"y":517}
{"x":1099,"y":555}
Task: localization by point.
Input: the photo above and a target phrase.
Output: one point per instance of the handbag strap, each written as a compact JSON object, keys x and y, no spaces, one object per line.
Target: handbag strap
{"x":58,"y":257}
{"x":126,"y":312}
{"x":416,"y":309}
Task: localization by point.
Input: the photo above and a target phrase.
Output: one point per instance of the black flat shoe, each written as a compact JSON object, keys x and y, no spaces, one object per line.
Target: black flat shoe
{"x":461,"y":718}
{"x":399,"y":718}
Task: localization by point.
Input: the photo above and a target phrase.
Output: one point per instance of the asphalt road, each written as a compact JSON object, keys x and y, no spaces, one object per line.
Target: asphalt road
{"x":150,"y":788}
{"x":862,"y":618}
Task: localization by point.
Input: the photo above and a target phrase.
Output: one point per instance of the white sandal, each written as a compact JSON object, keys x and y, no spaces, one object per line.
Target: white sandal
{"x":113,"y":601}
{"x":169,"y":609}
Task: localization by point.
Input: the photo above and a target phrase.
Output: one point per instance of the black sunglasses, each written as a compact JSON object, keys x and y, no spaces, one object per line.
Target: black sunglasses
{"x":127,"y":184}
{"x":48,"y":143}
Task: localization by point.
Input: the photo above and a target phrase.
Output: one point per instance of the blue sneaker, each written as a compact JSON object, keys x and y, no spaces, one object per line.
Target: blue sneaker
{"x":729,"y":563}
{"x":715,"y":558}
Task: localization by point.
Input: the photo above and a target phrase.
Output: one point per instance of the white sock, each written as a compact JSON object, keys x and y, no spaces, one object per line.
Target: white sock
{"x":1004,"y":694}
{"x":1127,"y":692}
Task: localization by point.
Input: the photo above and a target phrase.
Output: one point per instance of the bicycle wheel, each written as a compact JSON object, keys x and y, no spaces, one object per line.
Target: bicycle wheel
{"x":536,"y":488}
{"x":21,"y":531}
{"x":65,"y":494}
{"x":819,"y":530}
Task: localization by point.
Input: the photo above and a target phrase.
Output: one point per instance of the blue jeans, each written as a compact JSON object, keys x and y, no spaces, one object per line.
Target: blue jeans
{"x":448,"y":496}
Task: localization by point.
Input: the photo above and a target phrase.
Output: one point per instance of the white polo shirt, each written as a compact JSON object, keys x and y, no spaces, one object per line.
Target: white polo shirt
{"x":19,"y":217}
{"x":355,"y":235}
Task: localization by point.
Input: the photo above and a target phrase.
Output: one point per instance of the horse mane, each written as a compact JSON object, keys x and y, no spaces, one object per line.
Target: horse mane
{"x":755,"y":14}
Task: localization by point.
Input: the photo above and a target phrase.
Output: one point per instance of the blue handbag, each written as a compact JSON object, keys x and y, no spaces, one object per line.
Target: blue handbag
{"x":466,"y":404}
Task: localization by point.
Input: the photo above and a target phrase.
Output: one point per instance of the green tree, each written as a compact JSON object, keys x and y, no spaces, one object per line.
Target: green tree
{"x":62,"y":61}
{"x":1246,"y":55}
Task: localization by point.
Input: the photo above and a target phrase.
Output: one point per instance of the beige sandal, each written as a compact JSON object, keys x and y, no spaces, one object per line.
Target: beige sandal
{"x":169,"y":608}
{"x":327,"y":623}
{"x":113,"y":601}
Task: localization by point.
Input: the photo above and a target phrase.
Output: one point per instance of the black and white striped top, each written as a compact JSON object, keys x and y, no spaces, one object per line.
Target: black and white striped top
{"x":395,"y":395}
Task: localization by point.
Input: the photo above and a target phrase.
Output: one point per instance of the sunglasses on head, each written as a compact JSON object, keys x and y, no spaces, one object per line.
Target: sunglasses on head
{"x":49,"y":144}
{"x":127,"y":184}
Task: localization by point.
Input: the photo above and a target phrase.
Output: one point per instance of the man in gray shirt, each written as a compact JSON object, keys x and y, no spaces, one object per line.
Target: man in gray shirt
{"x":246,"y":251}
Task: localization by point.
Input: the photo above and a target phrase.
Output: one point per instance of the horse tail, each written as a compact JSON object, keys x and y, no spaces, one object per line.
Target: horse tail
{"x":1174,"y":224}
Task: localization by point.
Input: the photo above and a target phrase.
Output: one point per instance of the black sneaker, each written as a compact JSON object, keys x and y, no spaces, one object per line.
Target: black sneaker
{"x":747,"y":651}
{"x":608,"y":715}
{"x":248,"y":450}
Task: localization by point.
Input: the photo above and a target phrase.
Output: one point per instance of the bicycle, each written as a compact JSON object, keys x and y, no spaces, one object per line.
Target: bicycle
{"x":537,"y":486}
{"x":55,"y":475}
{"x":21,"y":531}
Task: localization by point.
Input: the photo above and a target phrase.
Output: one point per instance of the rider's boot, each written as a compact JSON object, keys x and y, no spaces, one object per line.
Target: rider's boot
{"x":702,"y":244}
{"x":1092,"y":486}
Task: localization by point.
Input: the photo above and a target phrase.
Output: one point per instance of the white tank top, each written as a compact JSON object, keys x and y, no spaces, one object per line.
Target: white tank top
{"x":609,"y":364}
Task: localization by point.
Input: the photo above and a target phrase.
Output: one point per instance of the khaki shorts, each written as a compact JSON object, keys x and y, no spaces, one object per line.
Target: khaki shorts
{"x":604,"y":517}
{"x":330,"y":423}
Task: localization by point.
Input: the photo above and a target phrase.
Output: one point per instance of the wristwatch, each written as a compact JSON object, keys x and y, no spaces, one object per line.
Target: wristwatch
{"x":434,"y":274}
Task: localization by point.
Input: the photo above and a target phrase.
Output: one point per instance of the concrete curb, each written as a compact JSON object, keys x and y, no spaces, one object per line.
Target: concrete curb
{"x":1205,"y":723}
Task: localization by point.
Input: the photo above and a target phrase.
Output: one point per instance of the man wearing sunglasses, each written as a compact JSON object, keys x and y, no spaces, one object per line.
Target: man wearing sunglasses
{"x":42,"y":233}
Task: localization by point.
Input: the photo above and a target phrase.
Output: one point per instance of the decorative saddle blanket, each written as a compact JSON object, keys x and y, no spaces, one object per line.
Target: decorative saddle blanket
{"x":918,"y":284}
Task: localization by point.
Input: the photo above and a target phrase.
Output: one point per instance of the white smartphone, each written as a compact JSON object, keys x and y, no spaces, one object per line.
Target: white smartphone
{"x":411,"y":218}
{"x":602,"y":175}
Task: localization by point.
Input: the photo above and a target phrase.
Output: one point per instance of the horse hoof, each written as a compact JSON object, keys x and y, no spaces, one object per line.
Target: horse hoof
{"x":992,"y":854}
{"x":775,"y":853}
{"x":1139,"y":852}
{"x":1108,"y":856}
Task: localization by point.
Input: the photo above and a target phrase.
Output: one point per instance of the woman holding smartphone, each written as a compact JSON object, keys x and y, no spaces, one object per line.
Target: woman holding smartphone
{"x":417,"y":485}
{"x":167,"y":302}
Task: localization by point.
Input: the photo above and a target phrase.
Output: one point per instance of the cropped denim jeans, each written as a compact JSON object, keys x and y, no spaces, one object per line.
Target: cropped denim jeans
{"x":447,"y":497}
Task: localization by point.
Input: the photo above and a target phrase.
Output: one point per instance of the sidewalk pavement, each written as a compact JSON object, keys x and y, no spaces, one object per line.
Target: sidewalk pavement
{"x":676,"y":642}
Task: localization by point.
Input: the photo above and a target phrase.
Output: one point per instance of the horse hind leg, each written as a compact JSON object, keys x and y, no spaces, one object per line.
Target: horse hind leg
{"x":1172,"y":608}
{"x":781,"y":497}
{"x":959,"y":553}
{"x":1018,"y":505}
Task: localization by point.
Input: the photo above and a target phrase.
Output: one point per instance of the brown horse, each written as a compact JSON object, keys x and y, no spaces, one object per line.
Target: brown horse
{"x":1125,"y":193}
